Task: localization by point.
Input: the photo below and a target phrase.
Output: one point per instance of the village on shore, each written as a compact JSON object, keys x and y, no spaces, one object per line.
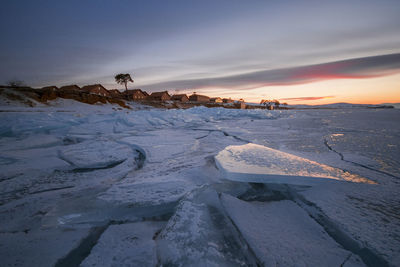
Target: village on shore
{"x":97,"y":93}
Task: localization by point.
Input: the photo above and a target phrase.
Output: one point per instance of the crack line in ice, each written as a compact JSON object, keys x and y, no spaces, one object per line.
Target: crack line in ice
{"x":112,"y":165}
{"x":51,"y":189}
{"x":355,"y":163}
{"x":220,"y":131}
{"x":348,"y":257}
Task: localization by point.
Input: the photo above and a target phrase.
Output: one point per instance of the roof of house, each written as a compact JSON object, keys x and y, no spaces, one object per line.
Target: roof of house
{"x":199,"y":96}
{"x":215,"y":98}
{"x":133,"y":91}
{"x":70,"y":87}
{"x":179,"y":96}
{"x":50,"y":87}
{"x":115,"y":91}
{"x":93,"y":86}
{"x":155,"y":94}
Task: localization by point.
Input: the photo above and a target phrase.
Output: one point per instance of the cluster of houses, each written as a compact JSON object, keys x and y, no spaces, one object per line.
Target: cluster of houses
{"x":140,"y":95}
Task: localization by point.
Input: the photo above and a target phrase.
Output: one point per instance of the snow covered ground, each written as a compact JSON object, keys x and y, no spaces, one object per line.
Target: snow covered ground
{"x":99,"y":186}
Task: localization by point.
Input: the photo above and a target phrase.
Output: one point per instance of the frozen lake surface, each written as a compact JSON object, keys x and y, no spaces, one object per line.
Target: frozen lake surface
{"x":88,"y":185}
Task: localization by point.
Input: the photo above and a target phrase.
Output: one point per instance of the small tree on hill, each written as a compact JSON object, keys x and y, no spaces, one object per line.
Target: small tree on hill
{"x":123,"y":79}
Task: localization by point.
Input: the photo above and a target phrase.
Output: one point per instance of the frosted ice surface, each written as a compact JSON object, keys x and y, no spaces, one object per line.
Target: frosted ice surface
{"x":282,"y":234}
{"x":147,"y":193}
{"x":42,"y":247}
{"x":32,"y":141}
{"x":55,"y":201}
{"x":199,"y":234}
{"x":95,"y":154}
{"x":163,"y":145}
{"x":370,"y":214}
{"x":256,"y":163}
{"x":129,"y":244}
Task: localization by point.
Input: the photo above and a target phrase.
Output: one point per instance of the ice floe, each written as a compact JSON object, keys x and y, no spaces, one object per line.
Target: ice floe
{"x":256,"y":163}
{"x":282,"y":234}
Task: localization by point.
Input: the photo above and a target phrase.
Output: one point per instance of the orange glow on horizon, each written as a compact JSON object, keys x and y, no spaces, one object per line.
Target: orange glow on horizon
{"x":377,"y":90}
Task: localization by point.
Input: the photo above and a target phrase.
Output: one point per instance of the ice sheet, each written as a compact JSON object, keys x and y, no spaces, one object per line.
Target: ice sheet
{"x":168,"y":172}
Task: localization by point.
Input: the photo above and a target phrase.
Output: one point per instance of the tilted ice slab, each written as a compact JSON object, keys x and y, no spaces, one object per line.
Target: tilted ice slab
{"x":260,"y":164}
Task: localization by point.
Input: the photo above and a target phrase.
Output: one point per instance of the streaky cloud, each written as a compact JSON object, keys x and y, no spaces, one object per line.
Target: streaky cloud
{"x":356,"y":68}
{"x":307,"y":98}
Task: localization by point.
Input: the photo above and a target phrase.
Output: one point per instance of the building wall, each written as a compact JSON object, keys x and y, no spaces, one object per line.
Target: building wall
{"x":137,"y":96}
{"x":165,"y":97}
{"x":218,"y":100}
{"x":181,"y":99}
{"x":199,"y":98}
{"x":100,"y":91}
{"x":225,"y":100}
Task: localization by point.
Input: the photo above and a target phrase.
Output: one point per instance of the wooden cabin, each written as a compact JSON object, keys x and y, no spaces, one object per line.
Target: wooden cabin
{"x":135,"y":95}
{"x":159,"y":96}
{"x":69,"y":88}
{"x":180,"y":98}
{"x":50,"y":88}
{"x":96,"y":89}
{"x":240,"y":105}
{"x":227,"y":100}
{"x":216,"y":100}
{"x":115,"y":93}
{"x":199,"y":98}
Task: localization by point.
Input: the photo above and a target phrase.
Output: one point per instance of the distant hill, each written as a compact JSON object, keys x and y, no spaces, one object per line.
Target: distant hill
{"x":395,"y":105}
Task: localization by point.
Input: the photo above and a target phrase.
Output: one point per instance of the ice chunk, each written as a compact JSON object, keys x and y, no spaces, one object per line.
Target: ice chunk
{"x":370,"y":220}
{"x":126,"y":245}
{"x":282,"y":234}
{"x":256,"y":163}
{"x":147,"y":193}
{"x":199,"y":234}
{"x":32,"y":141}
{"x":163,"y":145}
{"x":95,"y":154}
{"x":40,"y":247}
{"x":28,"y":161}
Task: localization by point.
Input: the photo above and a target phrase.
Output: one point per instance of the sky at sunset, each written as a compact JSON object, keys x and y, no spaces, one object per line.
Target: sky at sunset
{"x":299,"y":52}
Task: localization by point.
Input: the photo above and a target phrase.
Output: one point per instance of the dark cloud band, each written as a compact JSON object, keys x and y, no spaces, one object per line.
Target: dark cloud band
{"x":358,"y":68}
